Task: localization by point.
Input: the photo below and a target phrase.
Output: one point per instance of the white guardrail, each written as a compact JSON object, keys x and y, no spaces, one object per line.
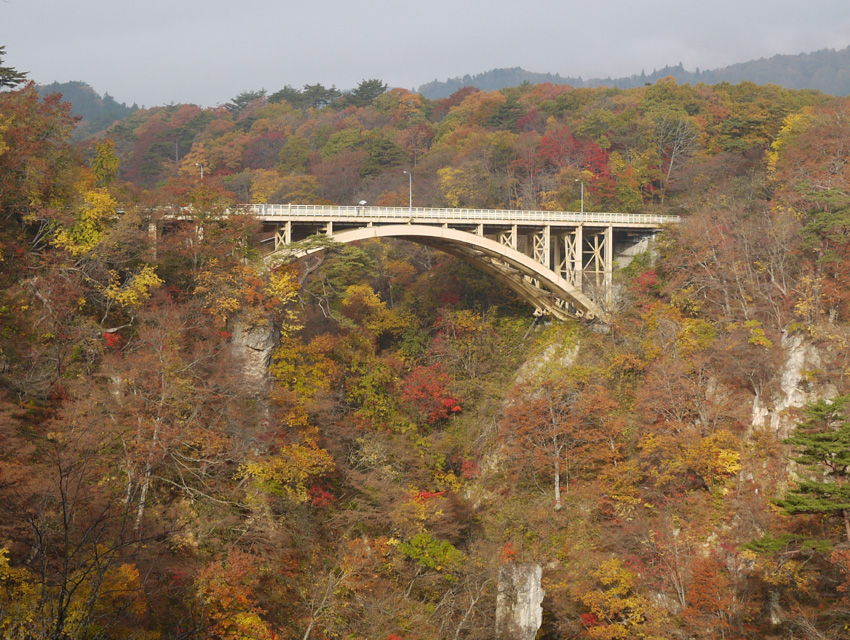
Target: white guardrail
{"x":306,"y":211}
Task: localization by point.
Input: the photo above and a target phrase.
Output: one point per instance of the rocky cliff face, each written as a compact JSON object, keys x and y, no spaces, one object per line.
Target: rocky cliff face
{"x":252,"y":347}
{"x":795,"y":389}
{"x":519,"y":610}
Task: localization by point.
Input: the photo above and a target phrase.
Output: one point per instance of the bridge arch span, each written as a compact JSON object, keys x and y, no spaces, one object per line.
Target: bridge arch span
{"x":540,"y":286}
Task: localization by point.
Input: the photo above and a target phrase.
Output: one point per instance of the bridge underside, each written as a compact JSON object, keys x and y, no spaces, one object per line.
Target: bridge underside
{"x":587,"y":267}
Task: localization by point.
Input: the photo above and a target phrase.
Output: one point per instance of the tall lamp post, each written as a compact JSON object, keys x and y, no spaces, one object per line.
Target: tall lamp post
{"x":198,"y":164}
{"x":410,"y":190}
{"x":582,"y":194}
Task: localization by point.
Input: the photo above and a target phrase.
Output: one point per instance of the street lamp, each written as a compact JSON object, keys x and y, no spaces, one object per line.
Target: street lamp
{"x":582,"y":194}
{"x":410,"y":190}
{"x":198,"y":164}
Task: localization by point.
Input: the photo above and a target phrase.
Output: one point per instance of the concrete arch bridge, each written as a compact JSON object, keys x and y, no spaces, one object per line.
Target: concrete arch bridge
{"x":560,"y":262}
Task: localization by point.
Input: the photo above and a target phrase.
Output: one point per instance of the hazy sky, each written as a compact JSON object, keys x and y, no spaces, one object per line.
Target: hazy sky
{"x":155,"y":52}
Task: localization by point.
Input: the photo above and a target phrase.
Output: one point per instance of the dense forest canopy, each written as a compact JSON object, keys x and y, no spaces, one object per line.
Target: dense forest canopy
{"x":519,"y":148}
{"x":418,"y":429}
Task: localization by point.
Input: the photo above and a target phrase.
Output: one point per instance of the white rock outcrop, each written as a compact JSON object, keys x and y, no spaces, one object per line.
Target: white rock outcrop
{"x":519,"y":602}
{"x":252,"y":347}
{"x":795,"y":390}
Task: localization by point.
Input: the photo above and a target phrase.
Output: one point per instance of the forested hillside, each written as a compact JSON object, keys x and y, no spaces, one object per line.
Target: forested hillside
{"x":96,"y":113}
{"x":679,"y":473}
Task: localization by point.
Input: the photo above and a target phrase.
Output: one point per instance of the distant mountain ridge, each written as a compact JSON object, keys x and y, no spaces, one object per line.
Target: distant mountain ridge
{"x":96,"y":112}
{"x":826,"y":70}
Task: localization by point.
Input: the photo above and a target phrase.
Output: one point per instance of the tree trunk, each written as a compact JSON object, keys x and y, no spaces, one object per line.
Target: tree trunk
{"x":143,"y":497}
{"x":846,"y":514}
{"x":557,"y":484}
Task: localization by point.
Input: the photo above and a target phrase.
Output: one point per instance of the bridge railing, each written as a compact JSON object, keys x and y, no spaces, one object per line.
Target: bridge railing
{"x":294,"y":211}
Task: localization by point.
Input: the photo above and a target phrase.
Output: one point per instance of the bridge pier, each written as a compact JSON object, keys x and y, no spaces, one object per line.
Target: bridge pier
{"x":283,"y":235}
{"x":508,"y":238}
{"x":595,"y":266}
{"x":153,"y":237}
{"x":569,"y":257}
{"x":609,"y":267}
{"x":540,"y":243}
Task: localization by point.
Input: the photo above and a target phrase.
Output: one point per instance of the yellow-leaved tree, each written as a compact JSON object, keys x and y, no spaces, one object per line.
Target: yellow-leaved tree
{"x":136,"y":287}
{"x":90,"y":223}
{"x":616,"y":611}
{"x":287,"y":472}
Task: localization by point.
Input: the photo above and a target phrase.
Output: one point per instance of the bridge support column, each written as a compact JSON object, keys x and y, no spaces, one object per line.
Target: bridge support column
{"x":596,"y":264}
{"x":152,"y":235}
{"x":541,"y":243}
{"x":508,"y":238}
{"x":601,"y":264}
{"x":283,"y":235}
{"x":578,"y":258}
{"x":609,"y":267}
{"x":557,"y":255}
{"x":570,"y":264}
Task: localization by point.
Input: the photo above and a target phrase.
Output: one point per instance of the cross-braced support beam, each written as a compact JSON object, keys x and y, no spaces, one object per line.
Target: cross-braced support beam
{"x":283,"y":235}
{"x":508,"y":237}
{"x":540,"y":245}
{"x":599,"y":265}
{"x":570,"y":257}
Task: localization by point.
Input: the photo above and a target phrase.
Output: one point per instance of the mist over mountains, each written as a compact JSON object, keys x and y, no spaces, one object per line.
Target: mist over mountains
{"x":827,"y":70}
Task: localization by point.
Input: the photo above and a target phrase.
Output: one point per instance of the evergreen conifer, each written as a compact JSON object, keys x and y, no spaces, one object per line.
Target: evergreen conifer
{"x":823,"y":447}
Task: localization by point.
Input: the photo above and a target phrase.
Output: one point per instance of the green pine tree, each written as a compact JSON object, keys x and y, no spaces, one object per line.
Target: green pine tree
{"x":823,"y":447}
{"x":9,"y":77}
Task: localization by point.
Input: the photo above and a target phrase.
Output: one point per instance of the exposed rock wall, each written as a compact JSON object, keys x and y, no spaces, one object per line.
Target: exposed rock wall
{"x":252,"y":347}
{"x":795,"y":389}
{"x":519,"y":610}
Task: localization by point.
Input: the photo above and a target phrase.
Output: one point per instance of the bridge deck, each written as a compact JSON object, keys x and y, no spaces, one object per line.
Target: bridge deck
{"x":426,"y":215}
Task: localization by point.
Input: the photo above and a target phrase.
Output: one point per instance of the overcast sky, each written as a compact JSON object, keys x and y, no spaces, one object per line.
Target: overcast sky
{"x":155,"y":52}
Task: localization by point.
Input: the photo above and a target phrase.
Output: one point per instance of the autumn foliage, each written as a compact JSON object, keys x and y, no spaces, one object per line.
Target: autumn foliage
{"x":354,"y":445}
